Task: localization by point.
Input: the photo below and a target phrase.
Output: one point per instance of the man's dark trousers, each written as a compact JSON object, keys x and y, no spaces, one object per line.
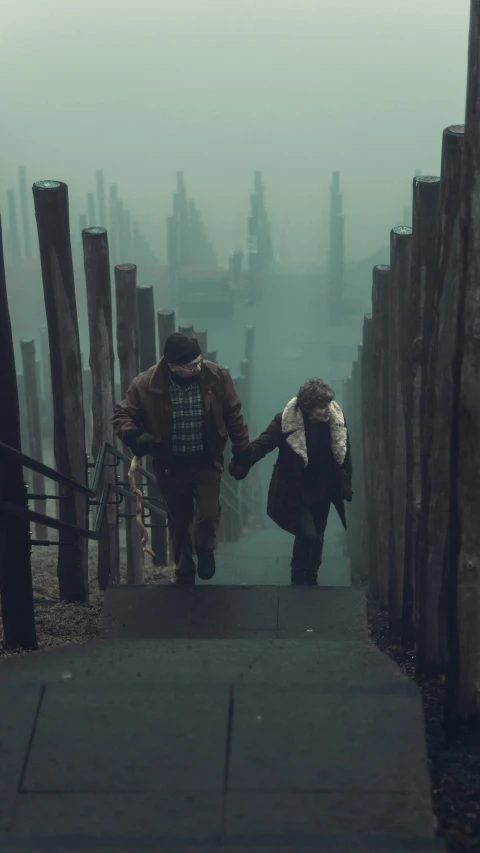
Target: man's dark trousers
{"x":191,"y":490}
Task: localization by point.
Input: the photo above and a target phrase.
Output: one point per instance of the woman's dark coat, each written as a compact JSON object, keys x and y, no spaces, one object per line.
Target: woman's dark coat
{"x":287,"y":433}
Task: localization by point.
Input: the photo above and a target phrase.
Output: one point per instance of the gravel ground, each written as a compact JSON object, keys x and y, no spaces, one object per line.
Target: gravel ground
{"x":59,"y":622}
{"x":454,"y":760}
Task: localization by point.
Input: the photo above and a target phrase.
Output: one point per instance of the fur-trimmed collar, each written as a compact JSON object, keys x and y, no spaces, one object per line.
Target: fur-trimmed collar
{"x":293,"y":425}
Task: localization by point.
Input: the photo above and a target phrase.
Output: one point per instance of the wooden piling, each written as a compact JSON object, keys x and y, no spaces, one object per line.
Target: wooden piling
{"x":91,"y":210}
{"x":426,"y":192}
{"x":35,"y":448}
{"x":127,"y":350}
{"x":400,"y":260}
{"x":187,"y":330}
{"x":439,"y":415}
{"x":201,"y":337}
{"x":17,"y":606}
{"x":166,"y":327}
{"x":99,"y":305}
{"x":113,"y":223}
{"x":51,"y":211}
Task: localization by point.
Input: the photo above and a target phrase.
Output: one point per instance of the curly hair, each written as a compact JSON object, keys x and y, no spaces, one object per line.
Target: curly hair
{"x":314,"y":393}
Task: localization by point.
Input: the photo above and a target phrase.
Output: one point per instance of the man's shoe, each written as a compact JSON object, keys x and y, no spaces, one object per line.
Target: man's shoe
{"x":206,"y":566}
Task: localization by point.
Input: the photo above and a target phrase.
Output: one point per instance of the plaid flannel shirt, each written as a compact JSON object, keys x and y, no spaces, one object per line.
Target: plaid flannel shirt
{"x":187,"y":419}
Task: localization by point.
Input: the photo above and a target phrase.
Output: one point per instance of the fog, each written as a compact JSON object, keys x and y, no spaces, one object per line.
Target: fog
{"x":296,"y":88}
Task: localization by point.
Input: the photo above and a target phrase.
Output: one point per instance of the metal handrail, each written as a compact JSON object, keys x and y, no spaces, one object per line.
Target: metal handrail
{"x":73,"y":485}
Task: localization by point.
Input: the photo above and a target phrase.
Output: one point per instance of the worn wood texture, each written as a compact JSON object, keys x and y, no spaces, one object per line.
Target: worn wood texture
{"x":439,"y":381}
{"x":426,"y":193}
{"x":464,"y":593}
{"x":147,"y":358}
{"x":52,"y":215}
{"x":187,"y":329}
{"x":35,"y":445}
{"x":400,"y":259}
{"x":127,"y":351}
{"x":99,"y":305}
{"x":378,"y":437}
{"x":16,"y":597}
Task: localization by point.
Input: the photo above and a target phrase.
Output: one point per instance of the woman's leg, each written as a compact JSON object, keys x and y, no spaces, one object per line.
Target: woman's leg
{"x":319,"y":513}
{"x":302,"y":546}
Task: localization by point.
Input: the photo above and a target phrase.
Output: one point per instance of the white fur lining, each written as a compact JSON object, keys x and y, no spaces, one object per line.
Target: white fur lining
{"x":292,"y":422}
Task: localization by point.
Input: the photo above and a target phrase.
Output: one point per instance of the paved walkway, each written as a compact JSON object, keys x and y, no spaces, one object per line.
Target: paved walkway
{"x":234,"y":718}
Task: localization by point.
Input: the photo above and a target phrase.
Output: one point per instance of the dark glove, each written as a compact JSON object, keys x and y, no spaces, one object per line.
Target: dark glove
{"x":240,"y":464}
{"x":131,"y":437}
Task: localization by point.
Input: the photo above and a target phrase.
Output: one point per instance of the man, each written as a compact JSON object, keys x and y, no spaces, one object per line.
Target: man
{"x":313,"y":470}
{"x":189,"y":406}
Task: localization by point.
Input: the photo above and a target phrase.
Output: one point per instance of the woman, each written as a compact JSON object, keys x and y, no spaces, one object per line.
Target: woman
{"x":313,"y":470}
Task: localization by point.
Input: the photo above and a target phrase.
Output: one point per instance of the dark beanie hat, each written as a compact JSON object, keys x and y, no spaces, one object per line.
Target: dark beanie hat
{"x":180,"y":349}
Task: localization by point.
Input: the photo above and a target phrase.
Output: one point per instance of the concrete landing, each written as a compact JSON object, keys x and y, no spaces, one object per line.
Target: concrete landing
{"x":300,"y":736}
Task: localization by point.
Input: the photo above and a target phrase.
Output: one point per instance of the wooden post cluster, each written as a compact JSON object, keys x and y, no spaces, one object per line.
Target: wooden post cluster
{"x":187,"y":239}
{"x":420,"y":414}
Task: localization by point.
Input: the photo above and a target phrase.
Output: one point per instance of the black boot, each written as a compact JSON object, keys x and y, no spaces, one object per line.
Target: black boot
{"x":299,"y":563}
{"x":314,"y":563}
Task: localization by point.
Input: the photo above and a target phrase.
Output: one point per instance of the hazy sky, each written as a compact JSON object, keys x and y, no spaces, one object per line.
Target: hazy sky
{"x":219,"y":88}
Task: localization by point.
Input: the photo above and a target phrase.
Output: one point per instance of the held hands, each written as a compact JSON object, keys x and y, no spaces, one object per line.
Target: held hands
{"x":240,"y":465}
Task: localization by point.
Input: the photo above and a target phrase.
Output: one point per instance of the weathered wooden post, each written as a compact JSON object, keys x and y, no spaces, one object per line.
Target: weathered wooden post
{"x":101,"y":205}
{"x":147,"y":358}
{"x":51,"y":210}
{"x":173,"y":252}
{"x":439,"y":417}
{"x":22,"y":181}
{"x":336,"y":261}
{"x":15,"y":247}
{"x":425,"y":221}
{"x":201,"y":337}
{"x":378,"y":437}
{"x":368,"y":519}
{"x":187,"y":330}
{"x":400,"y":259}
{"x":35,"y":448}
{"x":18,"y":615}
{"x":127,"y":350}
{"x":166,"y":327}
{"x":99,"y":304}
{"x":463,"y":682}
{"x":87,"y":407}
